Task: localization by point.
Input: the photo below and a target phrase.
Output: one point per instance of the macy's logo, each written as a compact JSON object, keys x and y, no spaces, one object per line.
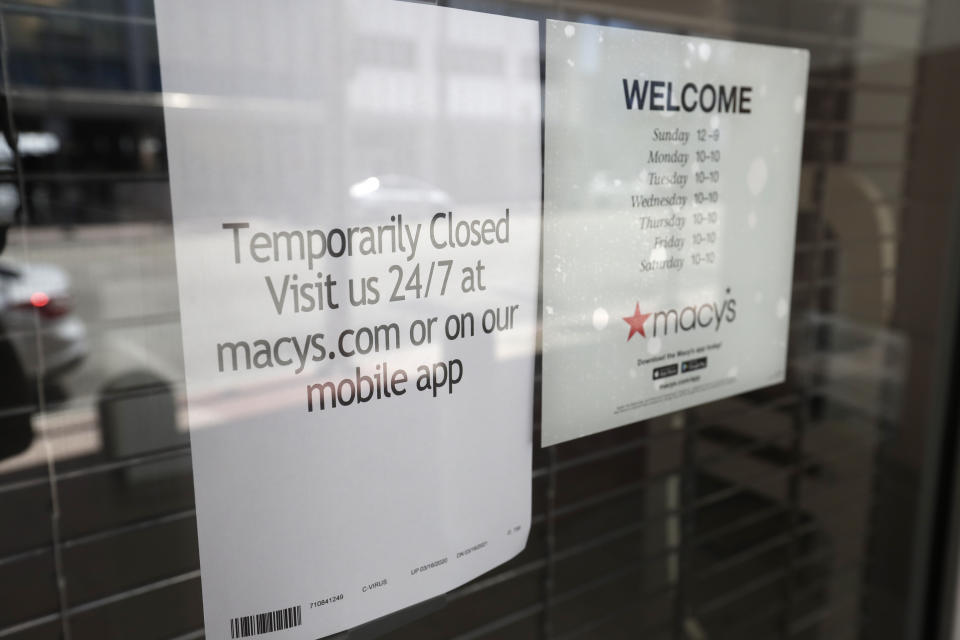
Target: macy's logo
{"x":709,"y":314}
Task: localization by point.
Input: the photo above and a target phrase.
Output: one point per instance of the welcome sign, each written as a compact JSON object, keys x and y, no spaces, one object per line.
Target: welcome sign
{"x":671,"y":177}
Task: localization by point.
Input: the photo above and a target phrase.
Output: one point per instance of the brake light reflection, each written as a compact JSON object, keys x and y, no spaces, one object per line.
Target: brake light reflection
{"x":39,"y":299}
{"x":47,"y":307}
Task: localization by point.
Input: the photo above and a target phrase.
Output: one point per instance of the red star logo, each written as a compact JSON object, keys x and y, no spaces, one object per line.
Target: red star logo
{"x":636,"y":322}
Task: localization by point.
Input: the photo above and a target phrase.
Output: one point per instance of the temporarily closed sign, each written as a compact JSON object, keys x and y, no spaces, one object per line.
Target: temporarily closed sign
{"x":356,"y":208}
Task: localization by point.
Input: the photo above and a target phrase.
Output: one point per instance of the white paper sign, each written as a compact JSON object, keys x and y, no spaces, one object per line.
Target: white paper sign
{"x":356,"y":213}
{"x":671,"y":175}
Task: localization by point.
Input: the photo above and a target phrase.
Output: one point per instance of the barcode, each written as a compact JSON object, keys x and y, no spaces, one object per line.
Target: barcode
{"x":265,"y":622}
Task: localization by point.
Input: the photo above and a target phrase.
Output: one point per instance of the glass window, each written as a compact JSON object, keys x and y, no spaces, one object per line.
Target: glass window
{"x":816,"y":508}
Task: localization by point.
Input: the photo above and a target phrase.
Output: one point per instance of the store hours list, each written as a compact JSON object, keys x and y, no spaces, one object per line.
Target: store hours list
{"x":681,"y":209}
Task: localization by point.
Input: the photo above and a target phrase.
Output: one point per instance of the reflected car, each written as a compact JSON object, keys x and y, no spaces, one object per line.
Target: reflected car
{"x":36,"y":299}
